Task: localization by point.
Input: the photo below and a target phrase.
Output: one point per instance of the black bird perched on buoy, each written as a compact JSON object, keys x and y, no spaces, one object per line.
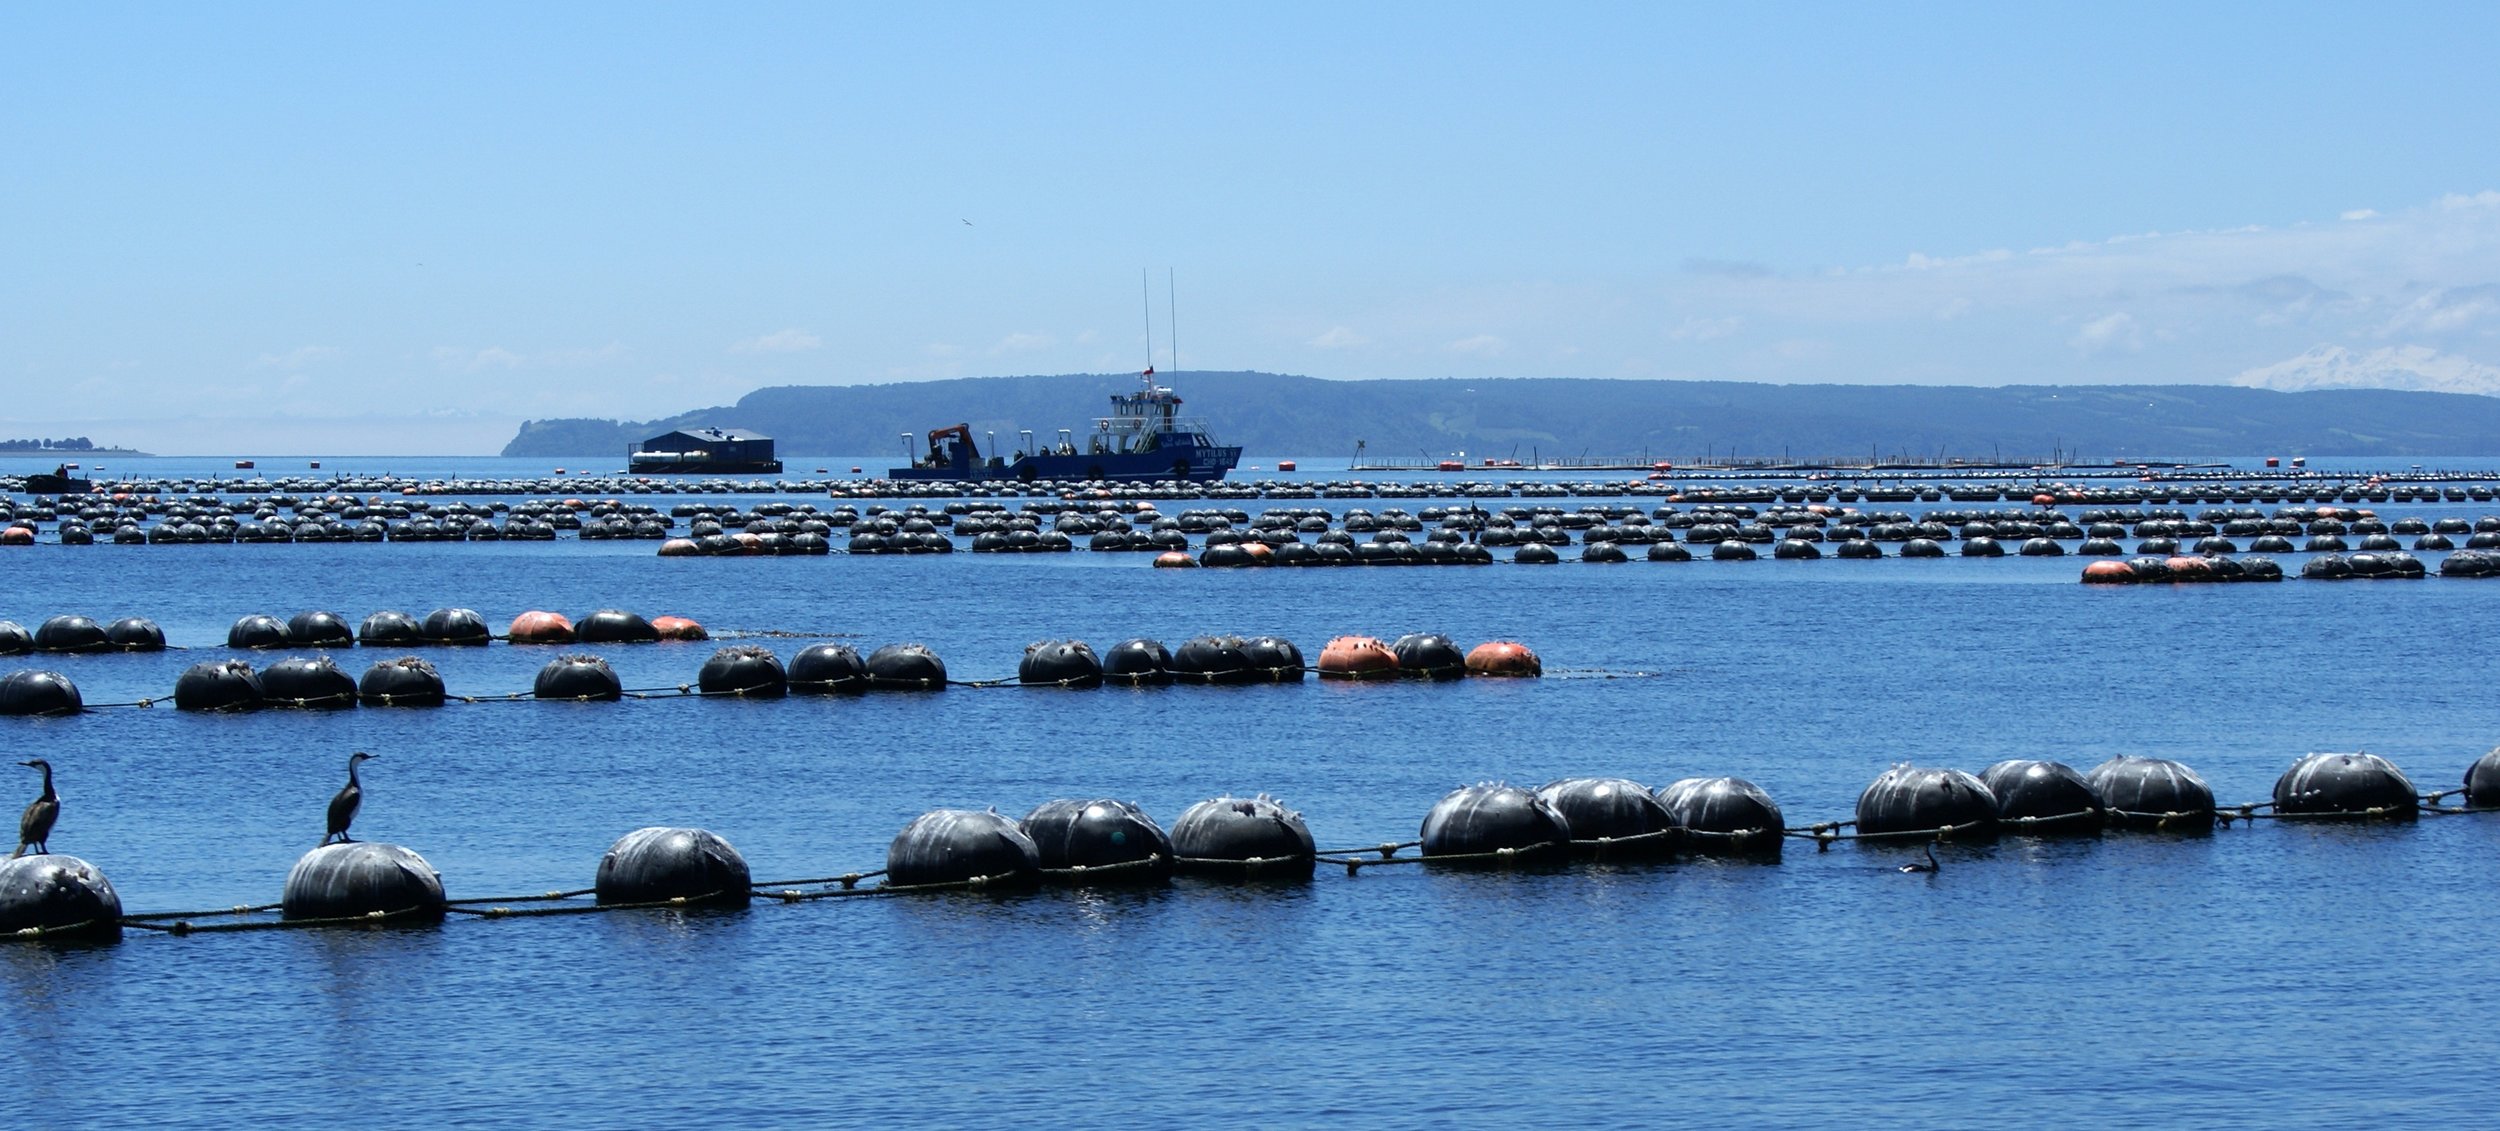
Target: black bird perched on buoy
{"x":1930,"y":849}
{"x":351,"y":796}
{"x":35,"y":827}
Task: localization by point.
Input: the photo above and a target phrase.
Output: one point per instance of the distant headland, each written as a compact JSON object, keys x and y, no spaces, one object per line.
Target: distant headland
{"x":1562,"y":417}
{"x":67,"y":447}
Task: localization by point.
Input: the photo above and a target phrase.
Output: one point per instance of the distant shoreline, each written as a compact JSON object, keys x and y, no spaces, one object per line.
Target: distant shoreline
{"x":58,"y":455}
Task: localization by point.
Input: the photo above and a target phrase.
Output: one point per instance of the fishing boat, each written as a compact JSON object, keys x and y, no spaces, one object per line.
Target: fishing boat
{"x":59,"y":481}
{"x":1144,"y":439}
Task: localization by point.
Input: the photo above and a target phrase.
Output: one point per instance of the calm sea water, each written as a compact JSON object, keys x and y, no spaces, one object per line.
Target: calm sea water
{"x":2281,"y":975}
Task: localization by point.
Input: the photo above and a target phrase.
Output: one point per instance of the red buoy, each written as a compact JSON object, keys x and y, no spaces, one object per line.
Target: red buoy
{"x":2190,"y":568}
{"x":678,"y":628}
{"x":17,"y":536}
{"x":2108,"y":573}
{"x":680,"y":548}
{"x":1357,"y":657}
{"x":1260,"y":553}
{"x":540,"y":627}
{"x":1504,"y":658}
{"x":2044,"y":499}
{"x":1174,"y":559}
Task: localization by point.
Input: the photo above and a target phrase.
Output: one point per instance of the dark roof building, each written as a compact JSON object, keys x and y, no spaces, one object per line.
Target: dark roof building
{"x":705,"y":450}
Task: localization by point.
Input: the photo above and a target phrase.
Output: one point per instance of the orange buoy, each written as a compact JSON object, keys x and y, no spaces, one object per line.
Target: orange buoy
{"x":1260,"y":553}
{"x":538,"y":626}
{"x":1357,"y":657}
{"x":1284,"y":465}
{"x":680,"y":548}
{"x":2108,"y":573}
{"x":2044,"y":499}
{"x":678,"y":628}
{"x":2189,"y":568}
{"x":749,"y":543}
{"x":17,"y":536}
{"x":1174,"y":559}
{"x":1504,"y":658}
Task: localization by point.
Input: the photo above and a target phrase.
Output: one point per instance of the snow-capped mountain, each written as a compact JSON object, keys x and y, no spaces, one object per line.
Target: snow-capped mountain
{"x":2418,"y":368}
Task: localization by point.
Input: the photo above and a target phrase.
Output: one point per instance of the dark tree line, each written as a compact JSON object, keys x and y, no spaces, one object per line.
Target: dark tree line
{"x":69,"y":444}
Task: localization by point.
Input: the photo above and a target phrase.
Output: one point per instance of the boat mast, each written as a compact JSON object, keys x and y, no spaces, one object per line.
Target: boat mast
{"x":1146,"y":305}
{"x":1172,"y":306}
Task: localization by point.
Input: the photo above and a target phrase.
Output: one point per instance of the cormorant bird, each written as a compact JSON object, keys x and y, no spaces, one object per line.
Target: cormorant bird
{"x":35,"y":827}
{"x":1930,"y":849}
{"x":351,"y":796}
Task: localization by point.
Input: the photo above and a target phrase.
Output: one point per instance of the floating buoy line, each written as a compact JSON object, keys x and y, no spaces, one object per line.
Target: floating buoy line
{"x":737,"y":670}
{"x":1101,"y":842}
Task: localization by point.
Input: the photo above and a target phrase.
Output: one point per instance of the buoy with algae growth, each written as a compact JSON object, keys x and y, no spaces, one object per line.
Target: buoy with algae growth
{"x":2153,"y":793}
{"x":1357,"y":657}
{"x":579,"y":677}
{"x":961,"y":846}
{"x":1102,"y":833}
{"x":408,"y":681}
{"x":2345,"y":785}
{"x":1504,"y":658}
{"x":1238,"y":836}
{"x":906,"y":667}
{"x":58,"y":896}
{"x":217,"y":685}
{"x":363,"y":878}
{"x":658,"y":864}
{"x":1597,"y":810}
{"x":746,"y":671}
{"x":1478,"y":820}
{"x":2043,"y":797}
{"x":1060,"y":663}
{"x":1909,"y":799}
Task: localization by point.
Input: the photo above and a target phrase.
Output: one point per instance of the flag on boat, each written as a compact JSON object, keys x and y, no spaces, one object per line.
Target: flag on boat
{"x":1150,"y":371}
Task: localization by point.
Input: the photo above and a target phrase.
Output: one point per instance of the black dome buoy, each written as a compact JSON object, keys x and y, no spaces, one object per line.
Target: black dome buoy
{"x":58,"y":895}
{"x":218,"y":685}
{"x":389,"y":629}
{"x":405,"y":682}
{"x":1064,"y":663}
{"x":1273,"y":659}
{"x":824,"y":669}
{"x":1429,"y":655}
{"x":906,"y":667}
{"x":1211,"y":659}
{"x":1600,"y":809}
{"x":317,"y":629}
{"x":307,"y":681}
{"x":456,"y":627}
{"x":69,"y":633}
{"x":1243,"y":837}
{"x":362,"y":878}
{"x":14,"y":639}
{"x":39,"y":693}
{"x":1906,"y":799}
{"x":745,"y":670}
{"x":1099,"y":834}
{"x":2043,"y":797}
{"x":1138,"y":663}
{"x":956,"y":846}
{"x":1479,"y":820}
{"x":2153,"y":793}
{"x":1725,"y":815}
{"x":134,"y":634}
{"x":614,"y":626}
{"x":2353,"y":785}
{"x":579,"y":677}
{"x":2482,"y":780}
{"x":656,"y":865}
{"x":257,"y":632}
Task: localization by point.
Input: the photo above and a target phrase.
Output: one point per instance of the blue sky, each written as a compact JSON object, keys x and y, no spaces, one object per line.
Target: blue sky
{"x":405,"y":230}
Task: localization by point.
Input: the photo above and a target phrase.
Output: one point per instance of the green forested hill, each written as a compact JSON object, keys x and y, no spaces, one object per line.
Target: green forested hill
{"x":1285,"y":415}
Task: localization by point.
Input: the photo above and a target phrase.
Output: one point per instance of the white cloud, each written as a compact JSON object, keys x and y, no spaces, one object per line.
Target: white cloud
{"x":296,"y":358}
{"x":2361,"y":214}
{"x":1023,"y":343}
{"x":472,"y":360}
{"x":1482,"y":345}
{"x":1340,"y":338}
{"x":2389,"y":367}
{"x":793,"y":340}
{"x":1706,"y":329}
{"x":2113,"y":331}
{"x":2445,"y":311}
